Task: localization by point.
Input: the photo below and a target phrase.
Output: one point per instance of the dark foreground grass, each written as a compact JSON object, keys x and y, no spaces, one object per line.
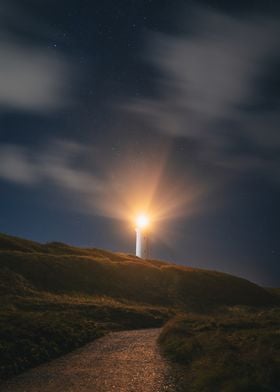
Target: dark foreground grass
{"x":34,"y":330}
{"x":55,"y":297}
{"x":234,"y":351}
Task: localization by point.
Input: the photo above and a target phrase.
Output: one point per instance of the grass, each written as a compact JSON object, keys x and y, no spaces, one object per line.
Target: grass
{"x":30,"y":338}
{"x":61,"y":269}
{"x":36,"y":329}
{"x":233,"y":350}
{"x":55,"y":297}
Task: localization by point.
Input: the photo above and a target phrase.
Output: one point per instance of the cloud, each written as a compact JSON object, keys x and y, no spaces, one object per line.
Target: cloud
{"x":100,"y":185}
{"x":32,"y":77}
{"x":15,"y":165}
{"x":208,"y":88}
{"x":55,"y":164}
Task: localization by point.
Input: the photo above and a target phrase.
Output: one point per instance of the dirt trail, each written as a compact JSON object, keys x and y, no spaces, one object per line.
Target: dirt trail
{"x":119,"y":362}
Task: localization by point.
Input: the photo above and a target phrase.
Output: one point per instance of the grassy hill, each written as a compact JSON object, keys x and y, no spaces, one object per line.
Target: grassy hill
{"x":234,"y":350}
{"x":57,"y":268}
{"x":55,"y":297}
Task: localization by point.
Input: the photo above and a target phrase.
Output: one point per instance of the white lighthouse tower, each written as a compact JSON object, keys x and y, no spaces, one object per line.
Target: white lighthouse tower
{"x":142,"y":222}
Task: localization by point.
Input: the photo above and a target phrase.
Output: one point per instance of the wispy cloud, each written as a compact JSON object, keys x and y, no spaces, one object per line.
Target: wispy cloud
{"x":208,"y":88}
{"x":56,"y":164}
{"x":16,"y":166}
{"x":99,"y":185}
{"x":32,"y":77}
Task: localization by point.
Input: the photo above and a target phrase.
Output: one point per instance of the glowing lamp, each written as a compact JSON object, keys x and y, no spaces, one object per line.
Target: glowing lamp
{"x":142,"y":221}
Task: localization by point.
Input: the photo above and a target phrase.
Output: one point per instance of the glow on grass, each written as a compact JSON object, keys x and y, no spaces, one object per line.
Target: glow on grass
{"x":142,"y":221}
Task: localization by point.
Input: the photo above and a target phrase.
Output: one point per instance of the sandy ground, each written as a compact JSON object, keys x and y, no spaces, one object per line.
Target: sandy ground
{"x":119,"y":362}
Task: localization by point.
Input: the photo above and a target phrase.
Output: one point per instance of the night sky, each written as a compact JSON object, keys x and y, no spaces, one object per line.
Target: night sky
{"x":105,"y":105}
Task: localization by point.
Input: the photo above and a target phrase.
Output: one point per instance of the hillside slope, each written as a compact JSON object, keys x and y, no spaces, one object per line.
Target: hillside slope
{"x":234,"y":350}
{"x":55,"y":297}
{"x":28,"y":267}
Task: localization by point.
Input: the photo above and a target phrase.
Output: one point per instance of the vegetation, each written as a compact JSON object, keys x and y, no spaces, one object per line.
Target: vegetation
{"x":61,"y":269}
{"x":56,"y":297}
{"x":35,"y":329}
{"x":234,"y":350}
{"x":49,"y":305}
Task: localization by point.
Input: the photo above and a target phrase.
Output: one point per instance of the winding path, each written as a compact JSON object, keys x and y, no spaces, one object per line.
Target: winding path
{"x":119,"y":362}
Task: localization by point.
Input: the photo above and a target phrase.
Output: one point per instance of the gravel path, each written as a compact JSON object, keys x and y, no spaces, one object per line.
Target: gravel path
{"x":119,"y":362}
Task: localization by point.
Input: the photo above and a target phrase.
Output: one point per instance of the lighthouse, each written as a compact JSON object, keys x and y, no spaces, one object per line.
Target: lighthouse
{"x":142,"y":223}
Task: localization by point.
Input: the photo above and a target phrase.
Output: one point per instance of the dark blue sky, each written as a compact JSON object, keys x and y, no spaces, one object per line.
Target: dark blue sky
{"x":172,"y":101}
